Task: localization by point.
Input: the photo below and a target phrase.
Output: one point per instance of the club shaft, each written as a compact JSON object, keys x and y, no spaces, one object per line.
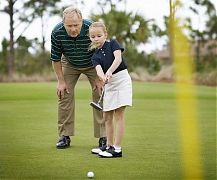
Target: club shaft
{"x":103,"y":90}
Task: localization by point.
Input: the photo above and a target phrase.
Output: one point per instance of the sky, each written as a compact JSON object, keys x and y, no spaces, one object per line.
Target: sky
{"x":150,"y":9}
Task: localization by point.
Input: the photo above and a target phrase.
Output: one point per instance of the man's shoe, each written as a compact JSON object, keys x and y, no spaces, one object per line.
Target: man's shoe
{"x":102,"y":146}
{"x":110,"y":153}
{"x":102,"y":141}
{"x":64,"y":142}
{"x":98,"y":150}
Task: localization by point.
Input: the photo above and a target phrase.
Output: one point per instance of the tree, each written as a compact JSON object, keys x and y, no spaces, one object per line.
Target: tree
{"x":42,"y":9}
{"x":3,"y":55}
{"x":126,"y":27}
{"x":209,"y":34}
{"x":24,"y":12}
{"x":14,"y":14}
{"x":10,"y":58}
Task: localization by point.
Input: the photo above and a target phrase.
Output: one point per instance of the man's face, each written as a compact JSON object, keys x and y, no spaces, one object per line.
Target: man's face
{"x":72,"y":24}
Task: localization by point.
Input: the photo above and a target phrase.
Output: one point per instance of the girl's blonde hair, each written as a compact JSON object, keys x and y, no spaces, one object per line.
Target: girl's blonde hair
{"x":100,"y":25}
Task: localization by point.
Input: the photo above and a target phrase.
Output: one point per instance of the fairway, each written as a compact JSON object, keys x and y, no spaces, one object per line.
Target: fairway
{"x":151,"y":146}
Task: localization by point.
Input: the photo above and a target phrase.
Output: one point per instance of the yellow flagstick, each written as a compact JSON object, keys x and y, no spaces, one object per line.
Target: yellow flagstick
{"x":186,"y":103}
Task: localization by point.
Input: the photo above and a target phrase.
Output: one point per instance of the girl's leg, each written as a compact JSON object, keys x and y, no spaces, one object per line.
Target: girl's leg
{"x":108,"y":117}
{"x":119,"y":125}
{"x":114,"y":151}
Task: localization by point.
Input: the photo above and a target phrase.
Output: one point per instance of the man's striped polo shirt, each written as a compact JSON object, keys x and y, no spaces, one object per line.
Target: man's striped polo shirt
{"x":74,"y":49}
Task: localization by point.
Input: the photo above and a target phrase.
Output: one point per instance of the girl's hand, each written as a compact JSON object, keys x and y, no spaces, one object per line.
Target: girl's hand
{"x":98,"y":85}
{"x":108,"y":76}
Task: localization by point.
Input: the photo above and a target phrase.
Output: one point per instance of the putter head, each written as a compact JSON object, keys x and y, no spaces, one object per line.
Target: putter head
{"x":96,"y":106}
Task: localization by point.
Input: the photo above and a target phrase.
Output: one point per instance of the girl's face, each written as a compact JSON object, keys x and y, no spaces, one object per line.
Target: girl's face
{"x":97,"y":36}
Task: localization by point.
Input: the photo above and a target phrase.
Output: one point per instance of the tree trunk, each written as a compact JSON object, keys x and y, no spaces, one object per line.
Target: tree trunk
{"x":10,"y":58}
{"x":42,"y":34}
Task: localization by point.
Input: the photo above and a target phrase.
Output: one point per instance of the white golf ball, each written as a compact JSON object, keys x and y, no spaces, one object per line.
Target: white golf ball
{"x":90,"y":174}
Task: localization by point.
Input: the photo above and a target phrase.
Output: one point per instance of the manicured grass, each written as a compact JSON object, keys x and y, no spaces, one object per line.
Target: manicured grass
{"x":151,"y":147}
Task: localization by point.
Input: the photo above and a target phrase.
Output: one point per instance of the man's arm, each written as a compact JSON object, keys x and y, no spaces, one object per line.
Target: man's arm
{"x":61,"y":86}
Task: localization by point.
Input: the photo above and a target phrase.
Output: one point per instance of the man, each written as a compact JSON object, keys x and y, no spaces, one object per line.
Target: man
{"x":70,"y":58}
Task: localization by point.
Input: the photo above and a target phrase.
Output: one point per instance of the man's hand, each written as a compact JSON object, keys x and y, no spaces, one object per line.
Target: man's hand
{"x":61,"y":89}
{"x":61,"y":85}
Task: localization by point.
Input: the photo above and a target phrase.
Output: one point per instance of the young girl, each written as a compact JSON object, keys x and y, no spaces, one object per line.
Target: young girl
{"x":112,"y":70}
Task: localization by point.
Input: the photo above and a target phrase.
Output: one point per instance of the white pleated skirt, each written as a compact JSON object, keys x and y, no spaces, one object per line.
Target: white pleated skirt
{"x":118,"y":91}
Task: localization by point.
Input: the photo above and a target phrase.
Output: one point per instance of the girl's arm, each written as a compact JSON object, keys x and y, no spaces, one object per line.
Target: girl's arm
{"x":100,"y":73}
{"x":115,"y":64}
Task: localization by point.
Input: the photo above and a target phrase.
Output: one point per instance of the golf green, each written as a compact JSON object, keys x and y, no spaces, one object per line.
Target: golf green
{"x":151,"y":146}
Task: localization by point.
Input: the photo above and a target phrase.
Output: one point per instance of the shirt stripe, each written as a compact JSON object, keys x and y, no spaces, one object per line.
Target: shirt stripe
{"x":75,"y":50}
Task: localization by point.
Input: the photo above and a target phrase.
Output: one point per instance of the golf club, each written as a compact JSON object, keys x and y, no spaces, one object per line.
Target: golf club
{"x":97,"y":105}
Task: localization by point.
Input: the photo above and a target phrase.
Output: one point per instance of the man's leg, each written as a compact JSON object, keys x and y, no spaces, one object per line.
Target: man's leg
{"x":66,"y":106}
{"x":99,"y":123}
